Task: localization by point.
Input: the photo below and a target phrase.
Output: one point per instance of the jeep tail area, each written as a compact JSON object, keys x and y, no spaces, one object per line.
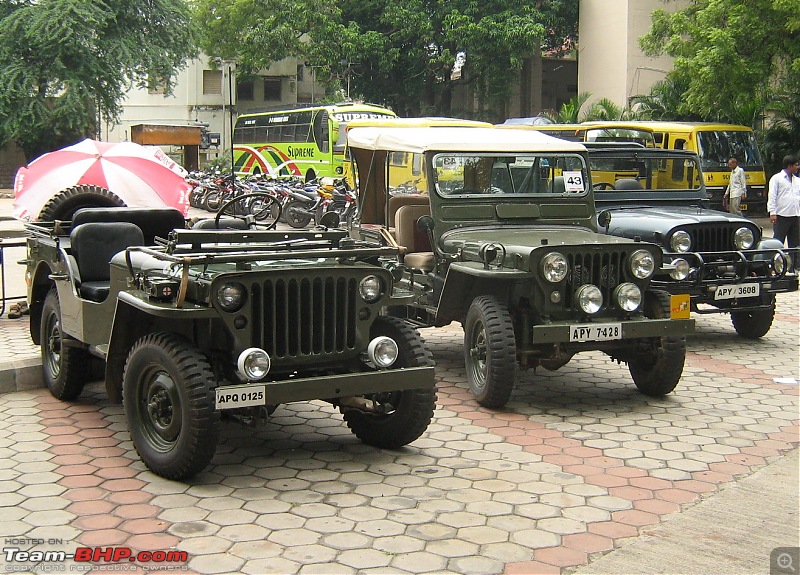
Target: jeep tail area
{"x":505,"y":241}
{"x":721,"y":259}
{"x":195,"y":323}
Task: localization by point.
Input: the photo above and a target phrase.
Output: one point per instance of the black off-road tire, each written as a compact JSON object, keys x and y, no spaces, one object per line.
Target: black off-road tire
{"x":66,"y":367}
{"x":66,"y":202}
{"x":658,"y":374}
{"x":168,"y":395}
{"x":753,"y":324}
{"x":411,"y":410}
{"x":490,"y":352}
{"x":296,"y":215}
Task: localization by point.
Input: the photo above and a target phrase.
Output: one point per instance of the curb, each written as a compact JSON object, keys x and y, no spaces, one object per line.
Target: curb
{"x":21,"y":374}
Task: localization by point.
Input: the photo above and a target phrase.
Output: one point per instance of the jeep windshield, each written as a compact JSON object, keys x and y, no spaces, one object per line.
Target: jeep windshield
{"x":614,"y":171}
{"x":480,"y":174}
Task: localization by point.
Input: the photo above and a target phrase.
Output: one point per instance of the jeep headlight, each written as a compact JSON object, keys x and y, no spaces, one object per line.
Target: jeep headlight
{"x":382,"y":352}
{"x":589,"y":298}
{"x":628,"y":296}
{"x":254,"y":363}
{"x":231,"y":296}
{"x":554,"y":267}
{"x":680,"y":242}
{"x":779,"y":261}
{"x":642,"y":264}
{"x":371,"y":289}
{"x":744,"y":239}
{"x":680,"y":269}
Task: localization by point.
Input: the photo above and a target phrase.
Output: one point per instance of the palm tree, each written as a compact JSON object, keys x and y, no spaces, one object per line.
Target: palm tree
{"x":569,"y":112}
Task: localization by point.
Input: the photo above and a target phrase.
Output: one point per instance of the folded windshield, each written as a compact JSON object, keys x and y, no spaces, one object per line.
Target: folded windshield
{"x":458,"y":174}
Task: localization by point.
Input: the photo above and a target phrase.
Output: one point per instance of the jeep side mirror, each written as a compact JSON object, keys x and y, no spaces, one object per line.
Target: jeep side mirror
{"x":604,"y":218}
{"x":330,"y":220}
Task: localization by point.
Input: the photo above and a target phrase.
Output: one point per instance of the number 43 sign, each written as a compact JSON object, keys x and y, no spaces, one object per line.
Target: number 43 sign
{"x":573,"y":181}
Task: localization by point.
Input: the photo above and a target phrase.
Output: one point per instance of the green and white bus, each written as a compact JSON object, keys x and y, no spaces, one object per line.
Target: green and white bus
{"x":306,"y":141}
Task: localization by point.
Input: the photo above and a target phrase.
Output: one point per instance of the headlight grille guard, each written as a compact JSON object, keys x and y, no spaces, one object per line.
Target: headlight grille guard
{"x":734,"y":266}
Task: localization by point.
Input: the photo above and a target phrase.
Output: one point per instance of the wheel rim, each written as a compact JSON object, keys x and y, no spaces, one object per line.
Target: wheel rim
{"x":477,"y":357}
{"x":160,"y":411}
{"x":53,"y":346}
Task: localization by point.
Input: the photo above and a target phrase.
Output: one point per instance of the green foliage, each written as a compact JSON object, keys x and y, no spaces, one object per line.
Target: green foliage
{"x":66,"y":63}
{"x":392,"y":52}
{"x":731,"y":56}
{"x":570,"y":111}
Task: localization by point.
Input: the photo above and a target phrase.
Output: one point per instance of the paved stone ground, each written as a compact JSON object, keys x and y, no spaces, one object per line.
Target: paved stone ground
{"x":578,"y":463}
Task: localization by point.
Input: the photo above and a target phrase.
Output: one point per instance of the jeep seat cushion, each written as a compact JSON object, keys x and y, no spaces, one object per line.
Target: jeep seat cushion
{"x":225,"y":223}
{"x":154,"y":222}
{"x":93,"y":245}
{"x":628,"y":184}
{"x":418,"y":255}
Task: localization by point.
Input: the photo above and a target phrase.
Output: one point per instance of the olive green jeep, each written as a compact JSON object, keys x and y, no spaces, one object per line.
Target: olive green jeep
{"x":191,"y":324}
{"x":505,"y":241}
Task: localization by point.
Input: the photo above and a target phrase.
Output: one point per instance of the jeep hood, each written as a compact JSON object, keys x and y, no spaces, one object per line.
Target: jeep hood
{"x":522,"y":240}
{"x":647,"y":221}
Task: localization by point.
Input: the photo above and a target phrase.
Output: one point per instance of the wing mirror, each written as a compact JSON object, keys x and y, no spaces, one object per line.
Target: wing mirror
{"x":604,"y":219}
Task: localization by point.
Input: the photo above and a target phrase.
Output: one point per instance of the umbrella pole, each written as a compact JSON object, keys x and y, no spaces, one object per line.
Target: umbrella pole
{"x":230,"y":110}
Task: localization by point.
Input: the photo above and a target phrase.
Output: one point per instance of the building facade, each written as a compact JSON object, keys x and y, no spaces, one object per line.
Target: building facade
{"x":611,"y":63}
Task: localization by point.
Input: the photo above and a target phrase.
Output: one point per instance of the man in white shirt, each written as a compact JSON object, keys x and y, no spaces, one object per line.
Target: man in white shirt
{"x":737,"y":187}
{"x":783,"y":203}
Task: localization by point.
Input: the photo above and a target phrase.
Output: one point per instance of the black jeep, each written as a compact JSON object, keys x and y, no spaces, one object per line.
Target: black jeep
{"x":722,"y":260}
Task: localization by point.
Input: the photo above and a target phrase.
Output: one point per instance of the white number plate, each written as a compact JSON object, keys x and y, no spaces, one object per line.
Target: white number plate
{"x":232,"y":396}
{"x":737,"y":291}
{"x":595,"y":332}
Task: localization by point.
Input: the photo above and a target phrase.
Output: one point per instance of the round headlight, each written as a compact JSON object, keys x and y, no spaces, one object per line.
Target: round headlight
{"x":554,"y":267}
{"x":680,"y":242}
{"x":642,"y":264}
{"x":779,"y":261}
{"x":589,"y":298}
{"x":680,"y":270}
{"x":382,"y":351}
{"x":744,"y":239}
{"x":230,"y":296}
{"x":370,"y":288}
{"x":254,"y":363}
{"x":628,"y":296}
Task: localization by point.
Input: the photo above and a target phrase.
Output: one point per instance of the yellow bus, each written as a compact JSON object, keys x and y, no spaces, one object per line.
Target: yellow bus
{"x":585,"y":133}
{"x":714,"y":143}
{"x":306,"y":141}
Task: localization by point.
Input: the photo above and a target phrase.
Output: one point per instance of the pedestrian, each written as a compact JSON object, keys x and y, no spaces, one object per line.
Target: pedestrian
{"x":737,"y":187}
{"x":783,"y":203}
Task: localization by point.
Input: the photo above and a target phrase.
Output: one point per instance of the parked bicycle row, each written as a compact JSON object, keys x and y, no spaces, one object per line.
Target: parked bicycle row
{"x":297,"y":203}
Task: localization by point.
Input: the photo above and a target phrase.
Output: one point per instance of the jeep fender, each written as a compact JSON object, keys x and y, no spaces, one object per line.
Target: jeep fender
{"x":467,"y":280}
{"x":135,"y":318}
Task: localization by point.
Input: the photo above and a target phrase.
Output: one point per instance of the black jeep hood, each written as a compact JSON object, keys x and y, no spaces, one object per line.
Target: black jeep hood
{"x":648,"y":221}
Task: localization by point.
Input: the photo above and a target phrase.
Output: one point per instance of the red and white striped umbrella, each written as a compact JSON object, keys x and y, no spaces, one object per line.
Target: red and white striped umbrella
{"x":140,"y":176}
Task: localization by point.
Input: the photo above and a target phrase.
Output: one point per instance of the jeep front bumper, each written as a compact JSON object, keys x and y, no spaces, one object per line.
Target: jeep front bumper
{"x":602,"y":334}
{"x":344,"y":385}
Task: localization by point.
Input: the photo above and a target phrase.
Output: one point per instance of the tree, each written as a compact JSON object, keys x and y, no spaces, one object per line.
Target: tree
{"x":66,"y":63}
{"x":400,"y":53}
{"x":732,"y":56}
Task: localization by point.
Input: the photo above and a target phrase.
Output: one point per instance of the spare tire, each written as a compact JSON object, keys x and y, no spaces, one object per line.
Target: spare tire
{"x":67,"y":202}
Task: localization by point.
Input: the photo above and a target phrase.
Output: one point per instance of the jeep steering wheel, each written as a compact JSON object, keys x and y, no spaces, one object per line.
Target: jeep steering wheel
{"x":603,"y":186}
{"x":251,"y":219}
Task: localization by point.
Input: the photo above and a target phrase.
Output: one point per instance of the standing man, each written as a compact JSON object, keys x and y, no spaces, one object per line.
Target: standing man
{"x":783,"y":203}
{"x":737,"y":187}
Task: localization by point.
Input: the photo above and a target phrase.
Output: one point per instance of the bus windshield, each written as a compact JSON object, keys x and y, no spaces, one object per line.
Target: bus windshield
{"x":715,"y":147}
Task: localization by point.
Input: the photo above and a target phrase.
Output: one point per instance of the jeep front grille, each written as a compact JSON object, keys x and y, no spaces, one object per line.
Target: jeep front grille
{"x":713,"y":238}
{"x":601,"y":269}
{"x":305,"y":316}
